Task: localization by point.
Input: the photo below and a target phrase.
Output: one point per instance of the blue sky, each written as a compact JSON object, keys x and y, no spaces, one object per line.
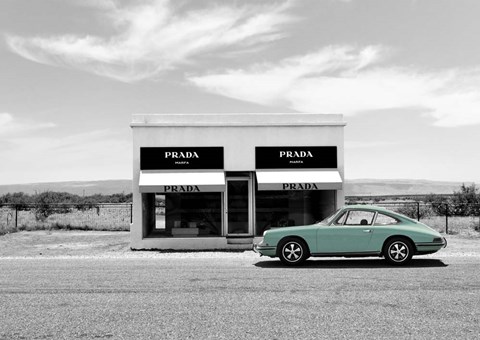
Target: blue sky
{"x":405,"y":74}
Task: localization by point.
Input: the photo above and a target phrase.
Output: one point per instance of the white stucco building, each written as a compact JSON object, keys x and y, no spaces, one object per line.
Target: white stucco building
{"x":217,"y":181}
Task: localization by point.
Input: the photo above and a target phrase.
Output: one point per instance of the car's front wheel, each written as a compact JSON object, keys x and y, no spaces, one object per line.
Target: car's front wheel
{"x":398,"y":251}
{"x":293,"y":251}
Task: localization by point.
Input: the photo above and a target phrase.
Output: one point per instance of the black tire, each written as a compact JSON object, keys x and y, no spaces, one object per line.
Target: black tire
{"x":293,"y":251}
{"x":398,"y":251}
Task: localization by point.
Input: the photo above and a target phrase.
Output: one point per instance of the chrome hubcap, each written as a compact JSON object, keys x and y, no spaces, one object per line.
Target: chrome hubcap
{"x":292,"y":251}
{"x":398,"y":251}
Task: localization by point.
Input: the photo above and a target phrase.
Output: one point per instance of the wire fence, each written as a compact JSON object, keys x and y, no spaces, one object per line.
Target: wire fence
{"x":20,"y":217}
{"x":445,"y":217}
{"x":449,"y":218}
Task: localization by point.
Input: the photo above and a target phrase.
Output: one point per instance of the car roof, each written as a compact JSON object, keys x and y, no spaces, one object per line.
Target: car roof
{"x":369,"y":207}
{"x":377,"y":209}
{"x":365,"y":206}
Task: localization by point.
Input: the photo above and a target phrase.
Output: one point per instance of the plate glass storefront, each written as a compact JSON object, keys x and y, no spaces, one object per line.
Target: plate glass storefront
{"x":237,"y":212}
{"x":188,"y":214}
{"x":277,"y":209}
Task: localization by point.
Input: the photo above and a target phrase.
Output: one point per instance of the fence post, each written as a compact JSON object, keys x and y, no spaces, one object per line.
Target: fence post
{"x":446,"y":218}
{"x":478,"y":227}
{"x":418,"y":211}
{"x":16,"y":217}
{"x":131,"y":213}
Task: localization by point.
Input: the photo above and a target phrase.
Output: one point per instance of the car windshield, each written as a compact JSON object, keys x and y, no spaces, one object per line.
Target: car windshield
{"x":329,"y":219}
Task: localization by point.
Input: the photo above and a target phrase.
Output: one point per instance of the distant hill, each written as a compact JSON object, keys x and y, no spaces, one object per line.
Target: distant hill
{"x":377,"y":187}
{"x":353,"y":187}
{"x":106,"y":187}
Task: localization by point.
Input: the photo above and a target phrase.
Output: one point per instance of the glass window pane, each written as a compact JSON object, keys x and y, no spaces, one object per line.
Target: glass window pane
{"x":237,"y":207}
{"x":193,"y":214}
{"x":383,"y":219}
{"x":277,"y":209}
{"x":359,"y":217}
{"x":160,"y":212}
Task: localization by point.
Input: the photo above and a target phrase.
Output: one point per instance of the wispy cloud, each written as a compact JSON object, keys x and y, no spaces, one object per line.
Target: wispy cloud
{"x":11,"y":126}
{"x":155,"y":36}
{"x":349,"y":80}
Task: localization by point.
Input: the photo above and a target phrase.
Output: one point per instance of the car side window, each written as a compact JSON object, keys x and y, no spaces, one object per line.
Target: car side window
{"x":383,"y":219}
{"x":341,"y":219}
{"x":359,"y":217}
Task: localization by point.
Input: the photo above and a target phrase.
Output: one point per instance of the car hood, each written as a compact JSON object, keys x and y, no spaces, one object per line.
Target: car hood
{"x":291,"y":230}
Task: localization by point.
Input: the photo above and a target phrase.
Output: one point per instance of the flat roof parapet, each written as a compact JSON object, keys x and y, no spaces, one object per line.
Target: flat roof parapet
{"x":236,"y":119}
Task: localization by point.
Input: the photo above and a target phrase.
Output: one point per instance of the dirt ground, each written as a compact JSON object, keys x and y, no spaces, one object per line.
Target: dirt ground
{"x":64,"y":243}
{"x":59,"y":243}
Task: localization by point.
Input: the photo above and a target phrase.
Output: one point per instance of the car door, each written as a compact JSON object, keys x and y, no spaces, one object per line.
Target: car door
{"x":350,"y":233}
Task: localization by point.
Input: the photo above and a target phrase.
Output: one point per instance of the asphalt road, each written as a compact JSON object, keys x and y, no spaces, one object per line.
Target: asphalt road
{"x":238,"y":296}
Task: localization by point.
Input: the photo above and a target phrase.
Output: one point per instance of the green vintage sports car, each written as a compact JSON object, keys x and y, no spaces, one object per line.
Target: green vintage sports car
{"x":353,"y":231}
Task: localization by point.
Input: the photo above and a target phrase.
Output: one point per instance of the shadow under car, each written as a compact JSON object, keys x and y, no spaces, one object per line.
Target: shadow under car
{"x":351,"y":263}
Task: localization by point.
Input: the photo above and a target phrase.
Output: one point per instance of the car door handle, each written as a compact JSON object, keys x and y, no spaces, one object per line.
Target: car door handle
{"x":367,"y":230}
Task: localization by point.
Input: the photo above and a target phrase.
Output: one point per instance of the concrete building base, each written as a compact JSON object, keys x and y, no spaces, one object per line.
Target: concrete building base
{"x":194,"y":243}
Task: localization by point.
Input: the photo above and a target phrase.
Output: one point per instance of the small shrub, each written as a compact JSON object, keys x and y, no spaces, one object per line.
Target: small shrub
{"x":45,"y":206}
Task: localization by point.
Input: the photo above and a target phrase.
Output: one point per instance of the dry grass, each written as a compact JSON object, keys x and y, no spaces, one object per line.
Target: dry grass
{"x":457,"y":225}
{"x":105,"y":218}
{"x":7,"y":220}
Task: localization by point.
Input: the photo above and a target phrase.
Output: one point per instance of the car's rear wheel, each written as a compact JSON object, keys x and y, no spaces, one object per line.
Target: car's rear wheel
{"x":398,"y":251}
{"x":293,"y":251}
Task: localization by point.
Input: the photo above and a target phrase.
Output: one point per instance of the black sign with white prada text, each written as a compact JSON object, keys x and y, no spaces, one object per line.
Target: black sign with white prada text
{"x":296,"y":157}
{"x":153,"y":158}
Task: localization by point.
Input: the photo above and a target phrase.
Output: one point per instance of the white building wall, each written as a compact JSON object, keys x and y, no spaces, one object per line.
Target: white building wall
{"x":239,"y":134}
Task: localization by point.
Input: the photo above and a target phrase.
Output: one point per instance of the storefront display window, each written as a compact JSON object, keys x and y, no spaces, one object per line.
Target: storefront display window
{"x":160,"y":213}
{"x":188,"y":214}
{"x":277,"y":209}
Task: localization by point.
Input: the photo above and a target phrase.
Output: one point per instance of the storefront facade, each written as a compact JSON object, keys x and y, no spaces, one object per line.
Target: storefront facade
{"x":218,"y":181}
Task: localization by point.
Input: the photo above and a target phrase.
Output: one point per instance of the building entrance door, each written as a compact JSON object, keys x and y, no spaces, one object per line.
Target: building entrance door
{"x":238,"y":203}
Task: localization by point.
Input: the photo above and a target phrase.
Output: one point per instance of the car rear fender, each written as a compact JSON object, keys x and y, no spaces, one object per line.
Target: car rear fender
{"x":400,"y":237}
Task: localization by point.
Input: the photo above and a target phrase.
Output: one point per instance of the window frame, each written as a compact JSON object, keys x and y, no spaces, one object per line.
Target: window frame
{"x":374,"y":215}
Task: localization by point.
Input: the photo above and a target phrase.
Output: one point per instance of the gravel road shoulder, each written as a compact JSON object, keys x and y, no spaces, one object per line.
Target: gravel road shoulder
{"x":59,"y":243}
